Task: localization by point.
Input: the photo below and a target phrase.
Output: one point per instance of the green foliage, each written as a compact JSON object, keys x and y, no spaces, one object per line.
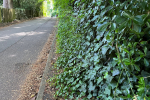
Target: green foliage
{"x":28,"y":4}
{"x":1,"y":2}
{"x":33,"y":6}
{"x":105,"y":52}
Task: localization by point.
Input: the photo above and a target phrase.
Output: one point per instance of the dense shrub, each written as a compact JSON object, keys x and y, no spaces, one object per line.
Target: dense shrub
{"x":105,"y":49}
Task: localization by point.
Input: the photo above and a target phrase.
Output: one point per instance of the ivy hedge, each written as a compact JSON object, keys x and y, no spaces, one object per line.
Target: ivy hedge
{"x":105,"y":52}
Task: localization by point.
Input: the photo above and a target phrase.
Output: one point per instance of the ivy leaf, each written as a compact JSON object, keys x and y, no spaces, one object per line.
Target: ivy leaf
{"x":97,"y":46}
{"x":75,"y":14}
{"x":115,"y":72}
{"x":96,"y":59}
{"x":77,"y":85}
{"x":71,"y":97}
{"x":83,"y":88}
{"x":70,"y":80}
{"x":113,"y":84}
{"x":146,"y":62}
{"x":99,"y":80}
{"x":95,"y":17}
{"x":91,"y":74}
{"x":91,"y":86}
{"x":114,"y":63}
{"x":121,"y":80}
{"x":81,"y":20}
{"x":118,"y":91}
{"x":97,"y":67}
{"x":107,"y":91}
{"x":105,"y":75}
{"x":88,"y":38}
{"x":104,"y":49}
{"x":89,"y":96}
{"x":87,"y":43}
{"x":109,"y":78}
{"x":98,"y":37}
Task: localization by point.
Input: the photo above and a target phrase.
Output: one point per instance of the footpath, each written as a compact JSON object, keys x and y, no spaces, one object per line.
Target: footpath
{"x":36,"y":86}
{"x":21,"y":67}
{"x":43,"y":93}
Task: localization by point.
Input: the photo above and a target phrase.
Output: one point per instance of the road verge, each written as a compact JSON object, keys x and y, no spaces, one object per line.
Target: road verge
{"x":47,"y":68}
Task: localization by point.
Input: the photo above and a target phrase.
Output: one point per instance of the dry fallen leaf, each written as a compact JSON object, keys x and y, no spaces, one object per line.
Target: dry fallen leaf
{"x":32,"y":95}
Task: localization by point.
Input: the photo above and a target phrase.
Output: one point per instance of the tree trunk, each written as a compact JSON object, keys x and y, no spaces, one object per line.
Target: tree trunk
{"x":5,"y":4}
{"x":10,"y":2}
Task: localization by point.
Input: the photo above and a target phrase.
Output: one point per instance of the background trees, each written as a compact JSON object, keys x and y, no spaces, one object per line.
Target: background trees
{"x":35,"y":5}
{"x":24,"y":4}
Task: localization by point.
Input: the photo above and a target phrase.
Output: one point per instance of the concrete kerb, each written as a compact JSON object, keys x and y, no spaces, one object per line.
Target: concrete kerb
{"x":47,"y":69}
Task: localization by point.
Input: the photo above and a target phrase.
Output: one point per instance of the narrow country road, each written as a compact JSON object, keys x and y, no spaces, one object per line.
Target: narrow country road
{"x":20,"y":45}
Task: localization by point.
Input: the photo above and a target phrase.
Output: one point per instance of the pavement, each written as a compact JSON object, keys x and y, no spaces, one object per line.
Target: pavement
{"x":20,"y":45}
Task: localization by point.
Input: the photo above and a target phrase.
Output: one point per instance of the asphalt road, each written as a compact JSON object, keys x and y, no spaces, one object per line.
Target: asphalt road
{"x":20,"y":45}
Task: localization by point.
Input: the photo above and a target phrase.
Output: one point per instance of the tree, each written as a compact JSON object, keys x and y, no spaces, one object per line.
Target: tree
{"x":10,"y":4}
{"x":5,"y":3}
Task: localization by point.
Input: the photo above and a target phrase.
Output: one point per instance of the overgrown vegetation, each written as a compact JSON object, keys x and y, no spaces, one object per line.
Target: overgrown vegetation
{"x":31,"y":5}
{"x":27,"y":4}
{"x":105,"y":52}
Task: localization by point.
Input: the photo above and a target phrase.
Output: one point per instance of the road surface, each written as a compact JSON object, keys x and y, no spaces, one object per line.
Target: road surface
{"x":20,"y":45}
